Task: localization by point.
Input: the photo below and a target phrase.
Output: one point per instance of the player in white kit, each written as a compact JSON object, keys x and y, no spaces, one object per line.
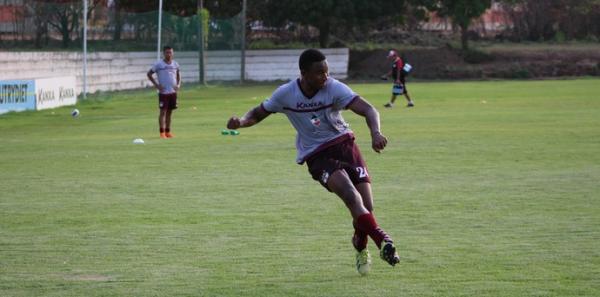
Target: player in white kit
{"x":313,"y":104}
{"x":169,"y":82}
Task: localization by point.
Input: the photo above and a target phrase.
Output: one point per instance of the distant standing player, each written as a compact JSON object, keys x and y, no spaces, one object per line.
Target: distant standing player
{"x":399,"y":76}
{"x":313,"y":104}
{"x":169,"y":82}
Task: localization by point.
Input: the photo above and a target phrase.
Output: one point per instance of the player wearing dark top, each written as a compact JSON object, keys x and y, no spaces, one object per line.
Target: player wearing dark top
{"x":399,"y":77}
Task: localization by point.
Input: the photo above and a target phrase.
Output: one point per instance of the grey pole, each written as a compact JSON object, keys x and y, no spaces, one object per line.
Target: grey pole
{"x":243,"y":68}
{"x":201,"y":60}
{"x":160,"y":5}
{"x":85,"y":10}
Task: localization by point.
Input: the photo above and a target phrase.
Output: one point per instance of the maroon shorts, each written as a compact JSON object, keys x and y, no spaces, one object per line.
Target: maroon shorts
{"x":167,"y":101}
{"x":344,"y":155}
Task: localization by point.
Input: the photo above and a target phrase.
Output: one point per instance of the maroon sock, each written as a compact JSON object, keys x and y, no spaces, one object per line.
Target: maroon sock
{"x":368,"y":225}
{"x":167,"y":130}
{"x":162,"y":130}
{"x":359,"y":239}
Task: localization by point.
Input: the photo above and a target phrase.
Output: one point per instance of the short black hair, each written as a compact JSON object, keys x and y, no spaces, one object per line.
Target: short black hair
{"x":308,"y":57}
{"x":167,"y":47}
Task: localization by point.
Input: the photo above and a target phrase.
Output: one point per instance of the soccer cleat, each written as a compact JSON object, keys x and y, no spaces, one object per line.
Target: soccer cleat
{"x":363,"y":262}
{"x":410,"y":104}
{"x":388,"y":253}
{"x":163,"y":135}
{"x":169,"y":135}
{"x":388,"y":105}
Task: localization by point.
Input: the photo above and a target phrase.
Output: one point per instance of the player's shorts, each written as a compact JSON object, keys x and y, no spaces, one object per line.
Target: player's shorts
{"x":167,"y":101}
{"x":344,"y":155}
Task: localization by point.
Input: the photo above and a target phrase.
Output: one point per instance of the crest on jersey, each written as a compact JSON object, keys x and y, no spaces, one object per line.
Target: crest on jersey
{"x":315,"y":120}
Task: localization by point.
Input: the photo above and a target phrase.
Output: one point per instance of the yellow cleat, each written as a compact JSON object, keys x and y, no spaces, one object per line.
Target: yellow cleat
{"x":363,"y":262}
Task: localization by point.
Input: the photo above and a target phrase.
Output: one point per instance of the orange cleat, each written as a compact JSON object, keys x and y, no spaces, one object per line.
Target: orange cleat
{"x":163,"y":135}
{"x":169,"y":135}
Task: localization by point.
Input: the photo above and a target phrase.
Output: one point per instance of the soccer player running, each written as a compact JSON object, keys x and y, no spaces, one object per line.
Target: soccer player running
{"x":313,"y":104}
{"x":399,"y":77}
{"x":169,"y":82}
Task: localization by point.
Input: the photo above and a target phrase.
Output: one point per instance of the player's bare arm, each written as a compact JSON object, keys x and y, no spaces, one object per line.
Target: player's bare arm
{"x":251,"y":118}
{"x":178,"y":86}
{"x":386,"y":75}
{"x":365,"y":109}
{"x":150,"y":75}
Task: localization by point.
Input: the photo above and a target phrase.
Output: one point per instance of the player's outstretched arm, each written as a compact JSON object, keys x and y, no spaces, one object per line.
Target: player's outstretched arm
{"x":251,"y":118}
{"x":386,"y":75}
{"x":365,"y":109}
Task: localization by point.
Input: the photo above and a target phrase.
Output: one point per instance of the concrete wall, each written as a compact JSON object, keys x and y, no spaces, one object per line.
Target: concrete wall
{"x":110,"y":71}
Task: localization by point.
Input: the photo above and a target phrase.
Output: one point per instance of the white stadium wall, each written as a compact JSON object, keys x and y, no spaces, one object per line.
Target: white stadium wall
{"x":111,"y":71}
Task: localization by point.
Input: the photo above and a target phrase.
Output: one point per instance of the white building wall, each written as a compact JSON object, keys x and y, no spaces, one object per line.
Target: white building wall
{"x":111,"y":71}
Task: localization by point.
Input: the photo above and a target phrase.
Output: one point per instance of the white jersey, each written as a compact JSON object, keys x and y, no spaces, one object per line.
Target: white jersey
{"x":317,"y":119}
{"x":167,"y":75}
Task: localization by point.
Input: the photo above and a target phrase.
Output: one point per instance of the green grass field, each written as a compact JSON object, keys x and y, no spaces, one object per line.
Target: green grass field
{"x":489,"y":188}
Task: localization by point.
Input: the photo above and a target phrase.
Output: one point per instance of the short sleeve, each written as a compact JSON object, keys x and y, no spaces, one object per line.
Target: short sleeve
{"x":154,"y":67}
{"x":342,"y":95}
{"x":275,"y":103}
{"x":400,"y":64}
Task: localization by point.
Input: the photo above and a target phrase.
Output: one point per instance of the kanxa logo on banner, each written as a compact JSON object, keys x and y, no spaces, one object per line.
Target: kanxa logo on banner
{"x":45,"y":95}
{"x":65,"y":93}
{"x":55,"y":92}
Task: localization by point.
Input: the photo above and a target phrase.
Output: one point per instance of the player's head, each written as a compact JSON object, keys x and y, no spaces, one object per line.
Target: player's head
{"x":313,"y":68}
{"x":392,"y":54}
{"x":168,"y":52}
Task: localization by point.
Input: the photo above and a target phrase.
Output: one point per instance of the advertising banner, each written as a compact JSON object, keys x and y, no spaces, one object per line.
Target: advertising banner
{"x":41,"y":93}
{"x":17,"y":95}
{"x":55,"y":92}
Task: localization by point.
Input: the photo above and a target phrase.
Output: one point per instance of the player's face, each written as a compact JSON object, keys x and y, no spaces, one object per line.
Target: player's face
{"x":316,"y":75}
{"x":168,"y":53}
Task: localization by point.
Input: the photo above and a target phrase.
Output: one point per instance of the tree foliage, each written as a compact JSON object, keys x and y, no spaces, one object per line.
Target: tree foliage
{"x":328,"y":16}
{"x":461,"y":13}
{"x":64,"y":16}
{"x":217,"y":8}
{"x":554,"y":19}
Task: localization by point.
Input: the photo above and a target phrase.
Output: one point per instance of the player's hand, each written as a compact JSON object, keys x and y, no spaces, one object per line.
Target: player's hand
{"x":160,"y":87}
{"x":234,"y":123}
{"x":378,"y":142}
{"x":177,"y":87}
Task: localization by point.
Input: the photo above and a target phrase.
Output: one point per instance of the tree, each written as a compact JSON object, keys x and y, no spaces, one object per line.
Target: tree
{"x":33,"y":12}
{"x":554,"y":19}
{"x":461,"y":13}
{"x":326,"y":15}
{"x":218,"y":8}
{"x":64,"y":16}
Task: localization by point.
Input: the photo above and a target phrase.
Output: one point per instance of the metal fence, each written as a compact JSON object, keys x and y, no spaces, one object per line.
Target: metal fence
{"x":102,"y":26}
